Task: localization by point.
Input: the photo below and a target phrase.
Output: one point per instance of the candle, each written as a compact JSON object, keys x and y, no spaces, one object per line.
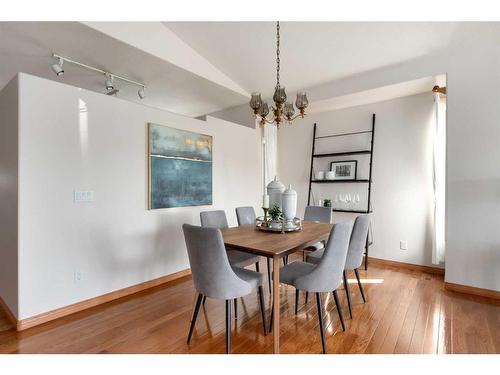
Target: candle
{"x":265,"y":201}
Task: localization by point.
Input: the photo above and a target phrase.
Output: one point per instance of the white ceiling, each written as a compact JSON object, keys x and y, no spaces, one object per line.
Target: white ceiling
{"x":195,"y":68}
{"x":28,"y":46}
{"x":378,"y":94}
{"x":312,"y":53}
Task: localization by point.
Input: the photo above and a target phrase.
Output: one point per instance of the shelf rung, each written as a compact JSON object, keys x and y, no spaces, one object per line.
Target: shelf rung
{"x":352,"y":211}
{"x":339,"y":181}
{"x":344,"y":134}
{"x":334,"y":154}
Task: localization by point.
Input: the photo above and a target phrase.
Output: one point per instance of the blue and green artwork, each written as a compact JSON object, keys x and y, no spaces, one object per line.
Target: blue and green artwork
{"x":180,"y":168}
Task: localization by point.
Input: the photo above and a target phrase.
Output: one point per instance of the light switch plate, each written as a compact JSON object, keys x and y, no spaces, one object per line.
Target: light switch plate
{"x":403,"y":245}
{"x":83,"y":196}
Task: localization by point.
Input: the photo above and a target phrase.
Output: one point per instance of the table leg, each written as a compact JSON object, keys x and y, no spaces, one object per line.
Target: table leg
{"x":276,"y":304}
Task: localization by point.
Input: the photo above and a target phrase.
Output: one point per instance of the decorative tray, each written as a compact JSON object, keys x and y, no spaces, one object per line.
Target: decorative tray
{"x":279,"y":226}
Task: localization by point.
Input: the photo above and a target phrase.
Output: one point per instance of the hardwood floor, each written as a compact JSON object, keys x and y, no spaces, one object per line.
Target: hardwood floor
{"x":407,"y":312}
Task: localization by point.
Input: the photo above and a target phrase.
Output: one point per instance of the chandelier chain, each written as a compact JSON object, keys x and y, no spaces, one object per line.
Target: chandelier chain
{"x":278,"y":54}
{"x":281,"y":111}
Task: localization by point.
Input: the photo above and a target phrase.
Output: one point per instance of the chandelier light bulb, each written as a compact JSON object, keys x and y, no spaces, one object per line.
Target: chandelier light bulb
{"x":288,"y":110}
{"x":301,"y":103}
{"x":264,"y":110}
{"x":255,"y":102}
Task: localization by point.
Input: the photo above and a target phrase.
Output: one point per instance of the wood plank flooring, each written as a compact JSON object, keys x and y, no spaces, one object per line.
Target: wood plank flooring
{"x":407,"y":312}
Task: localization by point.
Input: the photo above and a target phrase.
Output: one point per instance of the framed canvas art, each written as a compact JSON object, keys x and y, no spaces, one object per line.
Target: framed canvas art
{"x":180,"y":167}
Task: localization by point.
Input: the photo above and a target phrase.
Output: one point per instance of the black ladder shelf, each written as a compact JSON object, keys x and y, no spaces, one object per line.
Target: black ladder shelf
{"x":368,"y":181}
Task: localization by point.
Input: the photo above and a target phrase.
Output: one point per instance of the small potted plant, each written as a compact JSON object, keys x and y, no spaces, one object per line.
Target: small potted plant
{"x":327,"y":203}
{"x":276,"y":215}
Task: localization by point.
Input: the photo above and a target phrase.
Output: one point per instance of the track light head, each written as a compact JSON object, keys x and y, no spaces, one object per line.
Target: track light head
{"x":109,"y":82}
{"x":58,"y":68}
{"x":142,"y":93}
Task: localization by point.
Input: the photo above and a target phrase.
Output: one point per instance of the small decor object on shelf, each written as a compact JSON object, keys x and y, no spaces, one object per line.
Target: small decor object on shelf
{"x":330,"y":175}
{"x":274,"y":189}
{"x":289,"y":203}
{"x":344,"y":170}
{"x":327,"y":203}
{"x":320,"y":175}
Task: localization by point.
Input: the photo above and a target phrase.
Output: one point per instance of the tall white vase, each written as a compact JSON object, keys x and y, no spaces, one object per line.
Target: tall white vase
{"x":274,"y":190}
{"x":289,"y":202}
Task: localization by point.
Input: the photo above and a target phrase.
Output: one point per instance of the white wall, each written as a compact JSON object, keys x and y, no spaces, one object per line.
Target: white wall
{"x":473,"y":135}
{"x":114,"y":241}
{"x":402,"y":193}
{"x":8,"y":194}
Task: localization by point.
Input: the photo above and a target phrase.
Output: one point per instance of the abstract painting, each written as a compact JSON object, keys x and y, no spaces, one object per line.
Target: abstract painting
{"x":180,"y":167}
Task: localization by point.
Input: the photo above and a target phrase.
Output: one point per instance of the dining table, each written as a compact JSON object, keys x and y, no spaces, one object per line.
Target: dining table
{"x":275,"y":245}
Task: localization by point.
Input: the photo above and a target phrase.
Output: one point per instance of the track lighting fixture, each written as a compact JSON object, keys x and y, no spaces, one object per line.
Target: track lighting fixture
{"x":108,"y":83}
{"x":141,"y":93}
{"x":58,"y":68}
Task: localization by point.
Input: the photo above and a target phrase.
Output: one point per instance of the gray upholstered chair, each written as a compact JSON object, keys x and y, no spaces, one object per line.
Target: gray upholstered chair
{"x":214,"y":277}
{"x":217,"y":219}
{"x":246,"y":216}
{"x":354,"y":255}
{"x":326,"y":276}
{"x":321,"y":215}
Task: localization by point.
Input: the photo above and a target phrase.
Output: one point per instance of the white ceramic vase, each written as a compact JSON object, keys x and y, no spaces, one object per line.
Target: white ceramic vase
{"x":289,"y":203}
{"x":274,"y":190}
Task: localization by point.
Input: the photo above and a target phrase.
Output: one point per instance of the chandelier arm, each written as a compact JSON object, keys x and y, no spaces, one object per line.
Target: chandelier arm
{"x":296,"y":117}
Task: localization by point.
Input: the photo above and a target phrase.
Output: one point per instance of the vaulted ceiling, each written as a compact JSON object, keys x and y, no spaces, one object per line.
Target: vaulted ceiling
{"x":195,"y":68}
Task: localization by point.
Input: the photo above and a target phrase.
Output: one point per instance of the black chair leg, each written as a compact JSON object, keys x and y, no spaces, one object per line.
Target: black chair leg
{"x":359,"y":284}
{"x":204,"y":300}
{"x":296,"y":301}
{"x":339,"y":310}
{"x":195,"y":315}
{"x":272,"y":317}
{"x":366,"y":253}
{"x":228,"y":326}
{"x":269,"y":274}
{"x":347,"y":293}
{"x":262,"y":314}
{"x":236,"y":309}
{"x":307,"y":297}
{"x":321,"y":325}
{"x":257,"y":267}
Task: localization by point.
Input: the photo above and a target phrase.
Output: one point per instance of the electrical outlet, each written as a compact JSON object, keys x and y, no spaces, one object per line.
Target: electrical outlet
{"x":77,"y":277}
{"x":83,"y":196}
{"x":403,"y":245}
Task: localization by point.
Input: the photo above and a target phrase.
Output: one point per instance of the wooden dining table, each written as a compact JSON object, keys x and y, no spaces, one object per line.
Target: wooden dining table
{"x":275,"y":245}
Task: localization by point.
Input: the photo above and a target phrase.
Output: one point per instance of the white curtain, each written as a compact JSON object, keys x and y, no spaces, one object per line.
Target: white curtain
{"x":438,"y":243}
{"x":270,"y":152}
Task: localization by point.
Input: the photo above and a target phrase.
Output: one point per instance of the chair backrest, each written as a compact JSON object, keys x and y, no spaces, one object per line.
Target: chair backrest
{"x":214,"y":219}
{"x":318,"y":213}
{"x":327,"y":275}
{"x":245,"y":215}
{"x":358,"y":242}
{"x":212,"y":274}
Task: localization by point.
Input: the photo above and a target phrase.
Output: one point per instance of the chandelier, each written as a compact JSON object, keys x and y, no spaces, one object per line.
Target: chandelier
{"x":282,"y":110}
